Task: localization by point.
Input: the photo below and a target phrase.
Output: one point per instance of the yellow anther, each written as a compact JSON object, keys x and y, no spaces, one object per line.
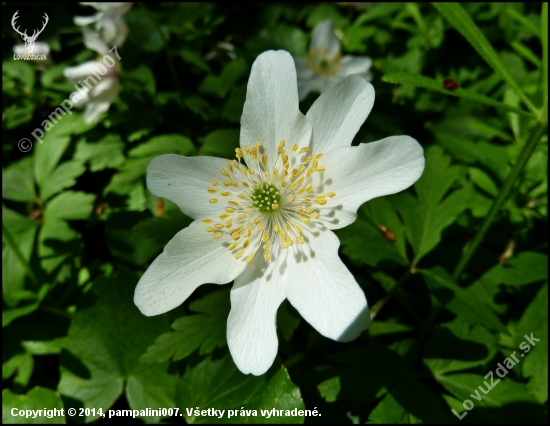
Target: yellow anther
{"x":250,"y":258}
{"x":213,"y":200}
{"x":227,"y":182}
{"x":239,"y":254}
{"x":247,"y":149}
{"x":315,"y":164}
{"x":290,"y":241}
{"x":217,"y":235}
{"x":309,"y":172}
{"x":304,"y":218}
{"x":229,"y":224}
{"x":256,"y":220}
{"x":250,"y":171}
{"x":248,"y":233}
{"x":229,"y":166}
{"x":224,"y":194}
{"x":292,"y":198}
{"x":283,"y":184}
{"x":266,"y":256}
{"x":275,"y":206}
{"x":229,"y":210}
{"x":294,"y":147}
{"x":207,"y":220}
{"x":267,"y":247}
{"x":285,"y":244}
{"x":277,"y":229}
{"x":209,"y":229}
{"x":239,"y":151}
{"x":308,"y":159}
{"x":285,"y":158}
{"x":223,"y":216}
{"x":232,"y":246}
{"x":264,"y":159}
{"x":233,"y":203}
{"x":298,"y":229}
{"x":212,"y":190}
{"x":235,"y":164}
{"x":258,"y":145}
{"x":244,"y":170}
{"x":213,"y":183}
{"x":242,"y":216}
{"x":285,"y":172}
{"x":294,"y":185}
{"x":309,"y":209}
{"x":241,"y":196}
{"x":322,"y":202}
{"x":265,"y":237}
{"x":319,"y":155}
{"x":246,"y":244}
{"x":282,"y":144}
{"x":309,"y":187}
{"x":301,"y":239}
{"x":218,"y":226}
{"x":287,"y":226}
{"x":225,"y":173}
{"x":302,"y":168}
{"x":236,"y":237}
{"x":304,"y":150}
{"x":254,"y":152}
{"x":246,"y":184}
{"x":331,"y":194}
{"x":315,"y":215}
{"x":321,"y":169}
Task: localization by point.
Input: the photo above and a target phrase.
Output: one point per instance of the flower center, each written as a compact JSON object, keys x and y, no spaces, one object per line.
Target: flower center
{"x":264,"y":201}
{"x":319,"y":61}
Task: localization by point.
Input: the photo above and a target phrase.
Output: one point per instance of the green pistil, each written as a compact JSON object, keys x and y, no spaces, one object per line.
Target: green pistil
{"x":264,"y":196}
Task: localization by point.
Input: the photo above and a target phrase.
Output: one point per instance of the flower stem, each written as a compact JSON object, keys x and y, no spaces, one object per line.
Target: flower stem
{"x":521,"y":161}
{"x":377,"y":307}
{"x":17,"y":251}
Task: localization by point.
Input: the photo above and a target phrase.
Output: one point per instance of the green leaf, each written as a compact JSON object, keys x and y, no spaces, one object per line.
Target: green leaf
{"x":457,"y":346}
{"x":165,"y":144}
{"x":206,"y":331}
{"x":37,"y":399}
{"x":58,"y":243}
{"x":64,"y":176}
{"x":20,"y":70}
{"x":534,"y":322}
{"x":544,"y":41}
{"x":104,"y":154}
{"x":483,"y":181}
{"x":428,"y":215}
{"x":221,"y":143}
{"x":410,"y":401}
{"x":233,"y":108}
{"x":460,"y":19}
{"x":69,"y":205}
{"x":220,"y":86}
{"x":101,"y":358}
{"x":437,"y":86}
{"x":329,"y":389}
{"x":18,"y":181}
{"x":468,"y":305}
{"x":23,"y":231}
{"x":221,"y":385}
{"x":514,"y":403}
{"x":145,"y":32}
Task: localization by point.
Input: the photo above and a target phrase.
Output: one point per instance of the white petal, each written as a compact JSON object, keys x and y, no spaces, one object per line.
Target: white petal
{"x":94,"y":109}
{"x":251,"y":326}
{"x":358,"y":174}
{"x":354,"y":65}
{"x":322,"y":289}
{"x":303,"y":72}
{"x":337,"y":114}
{"x":86,"y":20}
{"x":323,"y":38}
{"x":271,"y":111}
{"x":93,"y":41}
{"x":185,"y":181}
{"x":106,"y":88}
{"x":193,"y":257}
{"x":80,"y":71}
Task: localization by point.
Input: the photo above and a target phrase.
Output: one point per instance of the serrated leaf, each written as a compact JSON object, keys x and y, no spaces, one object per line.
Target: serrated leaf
{"x":416,"y":80}
{"x":428,"y":215}
{"x":206,"y":331}
{"x":534,"y":324}
{"x":37,"y":399}
{"x":69,"y":205}
{"x":220,"y":384}
{"x":468,"y":305}
{"x":23,"y":231}
{"x":64,"y":176}
{"x":101,"y":357}
{"x":106,"y":153}
{"x":18,"y":181}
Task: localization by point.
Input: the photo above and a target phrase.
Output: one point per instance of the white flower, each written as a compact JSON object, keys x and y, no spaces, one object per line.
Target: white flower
{"x":108,"y":21}
{"x":324,"y":65}
{"x":265,"y":220}
{"x":97,"y":94}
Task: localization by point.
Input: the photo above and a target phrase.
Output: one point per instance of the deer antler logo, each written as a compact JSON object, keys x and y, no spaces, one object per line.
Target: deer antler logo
{"x":29,"y":40}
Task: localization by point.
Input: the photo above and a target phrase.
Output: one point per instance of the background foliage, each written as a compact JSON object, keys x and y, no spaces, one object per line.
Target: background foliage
{"x":79,"y":226}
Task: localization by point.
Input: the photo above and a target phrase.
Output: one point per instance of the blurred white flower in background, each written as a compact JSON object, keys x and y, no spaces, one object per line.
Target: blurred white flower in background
{"x":108,"y":21}
{"x":324,"y":65}
{"x":98,"y":89}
